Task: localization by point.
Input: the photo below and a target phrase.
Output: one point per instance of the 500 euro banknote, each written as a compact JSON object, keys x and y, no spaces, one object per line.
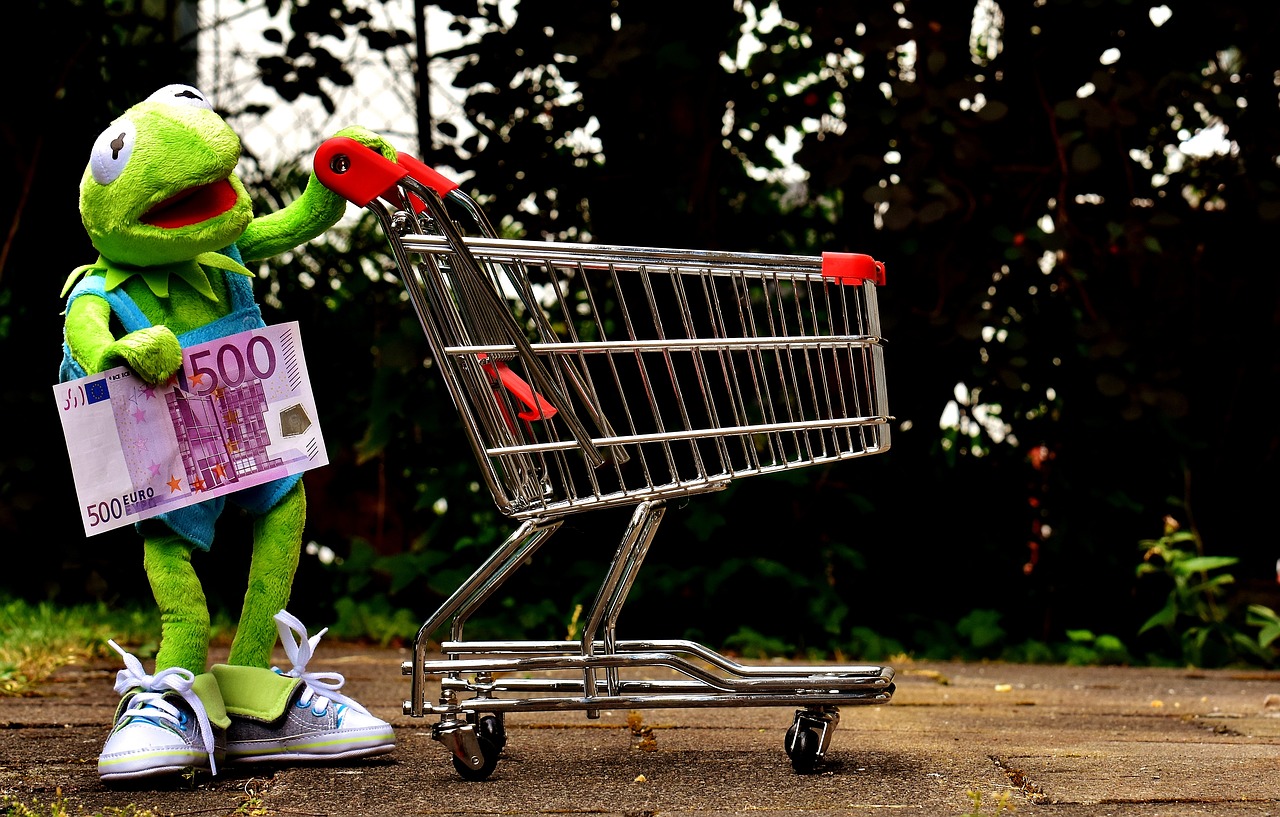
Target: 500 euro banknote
{"x":240,"y":412}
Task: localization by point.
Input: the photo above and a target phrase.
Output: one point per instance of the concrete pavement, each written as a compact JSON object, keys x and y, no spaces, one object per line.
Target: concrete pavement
{"x":1052,"y":741}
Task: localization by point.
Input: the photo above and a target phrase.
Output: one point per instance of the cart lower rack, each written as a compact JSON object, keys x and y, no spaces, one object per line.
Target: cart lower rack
{"x":593,"y":376}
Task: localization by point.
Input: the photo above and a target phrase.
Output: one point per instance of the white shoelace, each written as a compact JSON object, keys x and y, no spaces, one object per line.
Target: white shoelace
{"x":300,"y":648}
{"x":150,"y":704}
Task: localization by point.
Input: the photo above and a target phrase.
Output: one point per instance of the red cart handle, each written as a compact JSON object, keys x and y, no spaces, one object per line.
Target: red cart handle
{"x":852,"y":267}
{"x":354,"y":171}
{"x":427,"y":175}
{"x":361,"y":174}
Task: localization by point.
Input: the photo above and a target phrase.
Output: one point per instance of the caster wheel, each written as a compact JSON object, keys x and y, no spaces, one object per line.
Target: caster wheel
{"x":489,"y":751}
{"x":494,"y":728}
{"x":802,"y":747}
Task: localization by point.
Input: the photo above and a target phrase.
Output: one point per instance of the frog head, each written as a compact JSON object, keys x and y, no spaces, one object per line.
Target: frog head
{"x":159,"y":187}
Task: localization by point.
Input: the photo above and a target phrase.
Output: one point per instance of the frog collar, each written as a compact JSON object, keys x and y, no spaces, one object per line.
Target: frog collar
{"x":157,"y":277}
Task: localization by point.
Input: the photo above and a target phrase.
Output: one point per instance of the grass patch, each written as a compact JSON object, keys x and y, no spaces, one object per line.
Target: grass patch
{"x":37,"y":639}
{"x":9,"y":807}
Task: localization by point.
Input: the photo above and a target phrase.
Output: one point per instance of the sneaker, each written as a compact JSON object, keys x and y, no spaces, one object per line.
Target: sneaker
{"x":298,"y":715}
{"x":162,"y":726}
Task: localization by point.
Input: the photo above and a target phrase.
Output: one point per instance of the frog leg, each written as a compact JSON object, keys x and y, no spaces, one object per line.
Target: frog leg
{"x":277,"y":545}
{"x":297,"y":715}
{"x":184,"y":613}
{"x":174,"y":720}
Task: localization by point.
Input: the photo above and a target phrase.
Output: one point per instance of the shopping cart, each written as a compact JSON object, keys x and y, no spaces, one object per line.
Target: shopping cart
{"x":594,"y":376}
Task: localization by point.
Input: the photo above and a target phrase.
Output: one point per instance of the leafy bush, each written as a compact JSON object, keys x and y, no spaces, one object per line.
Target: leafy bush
{"x":1203,"y":626}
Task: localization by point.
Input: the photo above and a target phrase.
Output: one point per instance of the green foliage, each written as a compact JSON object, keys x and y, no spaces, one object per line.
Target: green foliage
{"x":1197,"y":616}
{"x":981,"y":628}
{"x":1266,"y":620}
{"x":1000,"y":804}
{"x":980,"y":635}
{"x":58,"y":807}
{"x":37,"y":639}
{"x":307,"y":67}
{"x":1084,"y":648}
{"x":1049,"y":244}
{"x":867,"y":644}
{"x":751,"y":644}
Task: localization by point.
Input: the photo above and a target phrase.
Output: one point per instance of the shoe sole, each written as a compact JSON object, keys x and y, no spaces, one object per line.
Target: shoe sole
{"x":154,"y":765}
{"x":312,"y":749}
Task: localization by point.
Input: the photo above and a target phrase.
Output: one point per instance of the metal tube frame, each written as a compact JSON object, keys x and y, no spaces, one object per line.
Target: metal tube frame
{"x":494,"y":676}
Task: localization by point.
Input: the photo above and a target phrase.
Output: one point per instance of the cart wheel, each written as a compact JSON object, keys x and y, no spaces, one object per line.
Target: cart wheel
{"x":489,"y":751}
{"x":494,"y":728}
{"x":802,"y":747}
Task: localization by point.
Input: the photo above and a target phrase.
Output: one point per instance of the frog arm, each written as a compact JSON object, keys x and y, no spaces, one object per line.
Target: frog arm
{"x":154,"y":352}
{"x":309,"y":215}
{"x":306,"y":217}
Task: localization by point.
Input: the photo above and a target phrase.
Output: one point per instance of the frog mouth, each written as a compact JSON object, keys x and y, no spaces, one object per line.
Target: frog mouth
{"x":192,"y":206}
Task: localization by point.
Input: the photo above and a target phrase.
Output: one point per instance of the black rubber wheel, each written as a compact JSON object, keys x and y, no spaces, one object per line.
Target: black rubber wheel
{"x":489,"y":751}
{"x":802,"y":747}
{"x":494,"y":728}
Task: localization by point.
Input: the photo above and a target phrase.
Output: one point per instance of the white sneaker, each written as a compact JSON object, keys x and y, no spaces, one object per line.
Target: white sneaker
{"x":161,"y":725}
{"x":313,"y":721}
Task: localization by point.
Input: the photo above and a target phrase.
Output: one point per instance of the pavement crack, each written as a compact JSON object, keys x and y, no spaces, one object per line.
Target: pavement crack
{"x":1212,"y":725}
{"x":1019,"y":780}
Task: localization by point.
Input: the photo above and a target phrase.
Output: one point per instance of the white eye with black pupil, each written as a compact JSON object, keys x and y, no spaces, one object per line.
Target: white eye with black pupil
{"x":112,"y":150}
{"x":181,"y":95}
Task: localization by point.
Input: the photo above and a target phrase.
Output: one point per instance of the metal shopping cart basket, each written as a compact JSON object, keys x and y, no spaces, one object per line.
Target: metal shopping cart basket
{"x":593,"y":376}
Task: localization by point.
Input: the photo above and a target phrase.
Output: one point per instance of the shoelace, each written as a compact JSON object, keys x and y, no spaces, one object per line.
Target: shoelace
{"x":149,"y":704}
{"x":300,"y":648}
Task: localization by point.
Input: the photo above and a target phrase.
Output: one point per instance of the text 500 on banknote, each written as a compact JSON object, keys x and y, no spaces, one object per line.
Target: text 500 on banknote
{"x":117,"y":507}
{"x":209,"y":378}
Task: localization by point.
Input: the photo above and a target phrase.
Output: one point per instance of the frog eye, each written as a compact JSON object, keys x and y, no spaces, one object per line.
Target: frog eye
{"x":181,"y":95}
{"x":112,"y":150}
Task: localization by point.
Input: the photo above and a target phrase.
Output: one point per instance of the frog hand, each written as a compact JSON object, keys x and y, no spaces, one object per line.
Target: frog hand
{"x":154,"y":353}
{"x":369,"y":139}
{"x":309,"y":215}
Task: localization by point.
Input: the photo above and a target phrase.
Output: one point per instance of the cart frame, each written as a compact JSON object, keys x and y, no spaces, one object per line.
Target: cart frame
{"x":745,"y":364}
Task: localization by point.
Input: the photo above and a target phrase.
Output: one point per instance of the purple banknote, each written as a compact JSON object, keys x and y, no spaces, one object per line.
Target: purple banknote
{"x":240,"y":412}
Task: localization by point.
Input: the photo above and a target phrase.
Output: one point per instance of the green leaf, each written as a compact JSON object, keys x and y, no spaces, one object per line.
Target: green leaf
{"x":1268,"y":622}
{"x":1268,"y":634}
{"x":1110,"y":644}
{"x":981,"y":627}
{"x":1211,"y":587}
{"x":1259,"y":614}
{"x":1203,"y":564}
{"x":1248,"y":646}
{"x":1164,"y":618}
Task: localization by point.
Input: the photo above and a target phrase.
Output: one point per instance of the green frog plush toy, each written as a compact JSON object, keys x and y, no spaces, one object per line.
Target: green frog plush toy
{"x":173,"y":225}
